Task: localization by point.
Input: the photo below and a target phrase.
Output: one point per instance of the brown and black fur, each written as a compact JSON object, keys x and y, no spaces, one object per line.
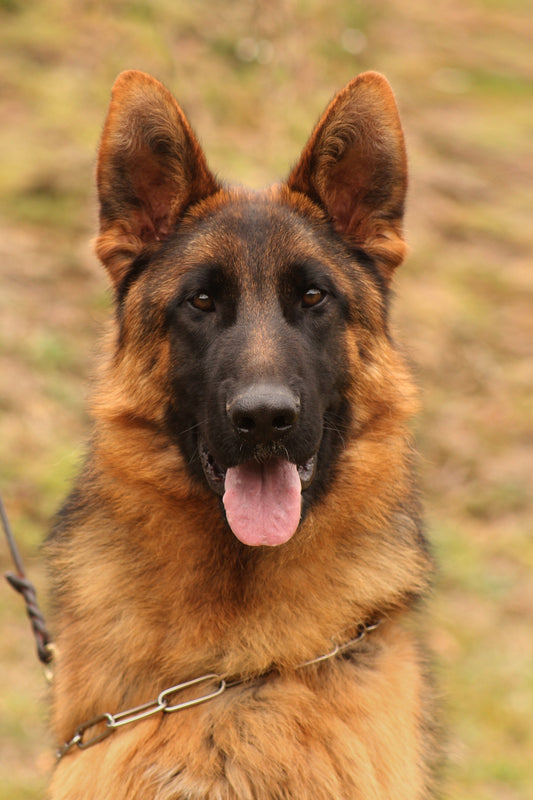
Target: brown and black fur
{"x":213,"y":293}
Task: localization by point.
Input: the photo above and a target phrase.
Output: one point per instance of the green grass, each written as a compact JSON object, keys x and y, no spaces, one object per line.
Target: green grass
{"x":253,"y":78}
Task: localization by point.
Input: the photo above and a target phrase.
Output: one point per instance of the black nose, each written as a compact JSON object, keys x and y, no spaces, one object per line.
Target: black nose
{"x":264,"y":412}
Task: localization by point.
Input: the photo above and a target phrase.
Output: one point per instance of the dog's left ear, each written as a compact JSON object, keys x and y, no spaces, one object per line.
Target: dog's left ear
{"x":355,"y":167}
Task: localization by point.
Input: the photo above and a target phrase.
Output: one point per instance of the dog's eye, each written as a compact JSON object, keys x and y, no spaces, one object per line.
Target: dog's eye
{"x":313,"y":297}
{"x":203,"y":302}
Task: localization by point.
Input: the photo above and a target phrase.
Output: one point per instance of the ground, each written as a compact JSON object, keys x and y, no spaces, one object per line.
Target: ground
{"x":253,"y":78}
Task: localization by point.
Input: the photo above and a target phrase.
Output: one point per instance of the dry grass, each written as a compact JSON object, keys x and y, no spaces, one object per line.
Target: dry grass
{"x":253,"y":77}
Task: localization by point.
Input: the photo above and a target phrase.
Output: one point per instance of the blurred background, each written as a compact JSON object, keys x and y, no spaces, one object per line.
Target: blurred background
{"x":253,"y":77}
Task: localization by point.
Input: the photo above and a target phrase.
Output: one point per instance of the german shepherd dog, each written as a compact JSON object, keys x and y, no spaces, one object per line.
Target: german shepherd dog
{"x":234,"y":568}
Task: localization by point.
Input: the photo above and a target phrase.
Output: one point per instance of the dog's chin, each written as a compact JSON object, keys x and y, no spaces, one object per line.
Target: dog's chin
{"x":215,"y":475}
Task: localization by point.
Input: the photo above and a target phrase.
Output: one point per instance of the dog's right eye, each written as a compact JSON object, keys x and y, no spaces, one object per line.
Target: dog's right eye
{"x":313,"y":297}
{"x":202,"y":301}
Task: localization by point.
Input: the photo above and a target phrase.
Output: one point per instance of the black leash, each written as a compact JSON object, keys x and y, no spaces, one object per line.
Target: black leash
{"x":25,"y":587}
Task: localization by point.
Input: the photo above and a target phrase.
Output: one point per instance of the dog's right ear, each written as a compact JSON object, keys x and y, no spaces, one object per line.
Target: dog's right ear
{"x":150,"y":168}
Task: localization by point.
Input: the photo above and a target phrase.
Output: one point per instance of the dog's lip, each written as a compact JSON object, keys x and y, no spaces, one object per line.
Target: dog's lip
{"x":307,"y":471}
{"x":215,"y":474}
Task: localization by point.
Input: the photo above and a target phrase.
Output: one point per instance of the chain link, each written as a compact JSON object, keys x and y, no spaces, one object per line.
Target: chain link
{"x":106,"y":724}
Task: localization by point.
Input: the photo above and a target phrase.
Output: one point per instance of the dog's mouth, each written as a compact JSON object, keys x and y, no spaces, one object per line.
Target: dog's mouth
{"x":262,"y":498}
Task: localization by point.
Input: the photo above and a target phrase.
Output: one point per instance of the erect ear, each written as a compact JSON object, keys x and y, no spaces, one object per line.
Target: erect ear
{"x":150,"y":168}
{"x":355,"y":167}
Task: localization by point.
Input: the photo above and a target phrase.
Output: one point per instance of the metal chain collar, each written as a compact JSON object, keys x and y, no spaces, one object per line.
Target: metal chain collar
{"x":163,"y":704}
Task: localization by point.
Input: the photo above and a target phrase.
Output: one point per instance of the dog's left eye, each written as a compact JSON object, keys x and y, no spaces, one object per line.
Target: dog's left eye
{"x":312,"y":297}
{"x":203,"y":302}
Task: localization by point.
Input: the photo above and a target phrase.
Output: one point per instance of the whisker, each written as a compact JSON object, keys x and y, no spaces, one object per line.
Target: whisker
{"x":337,"y":430}
{"x":196,"y":425}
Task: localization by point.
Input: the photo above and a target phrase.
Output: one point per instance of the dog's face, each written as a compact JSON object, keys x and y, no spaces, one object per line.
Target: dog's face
{"x":267,"y":306}
{"x":259,"y":366}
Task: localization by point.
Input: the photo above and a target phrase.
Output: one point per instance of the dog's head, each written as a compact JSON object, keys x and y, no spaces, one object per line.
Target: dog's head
{"x":252,"y":331}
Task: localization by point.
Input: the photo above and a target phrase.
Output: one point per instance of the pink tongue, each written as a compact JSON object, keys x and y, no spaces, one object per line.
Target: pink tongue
{"x":263,"y":501}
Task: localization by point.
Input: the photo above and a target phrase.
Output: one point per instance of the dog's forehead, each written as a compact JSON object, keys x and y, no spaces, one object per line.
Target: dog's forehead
{"x":251,"y":227}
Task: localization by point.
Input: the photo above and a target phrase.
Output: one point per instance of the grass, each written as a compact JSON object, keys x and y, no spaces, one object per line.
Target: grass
{"x":253,"y":77}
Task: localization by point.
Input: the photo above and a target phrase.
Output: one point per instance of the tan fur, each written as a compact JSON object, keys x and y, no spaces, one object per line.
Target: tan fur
{"x":153,"y":592}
